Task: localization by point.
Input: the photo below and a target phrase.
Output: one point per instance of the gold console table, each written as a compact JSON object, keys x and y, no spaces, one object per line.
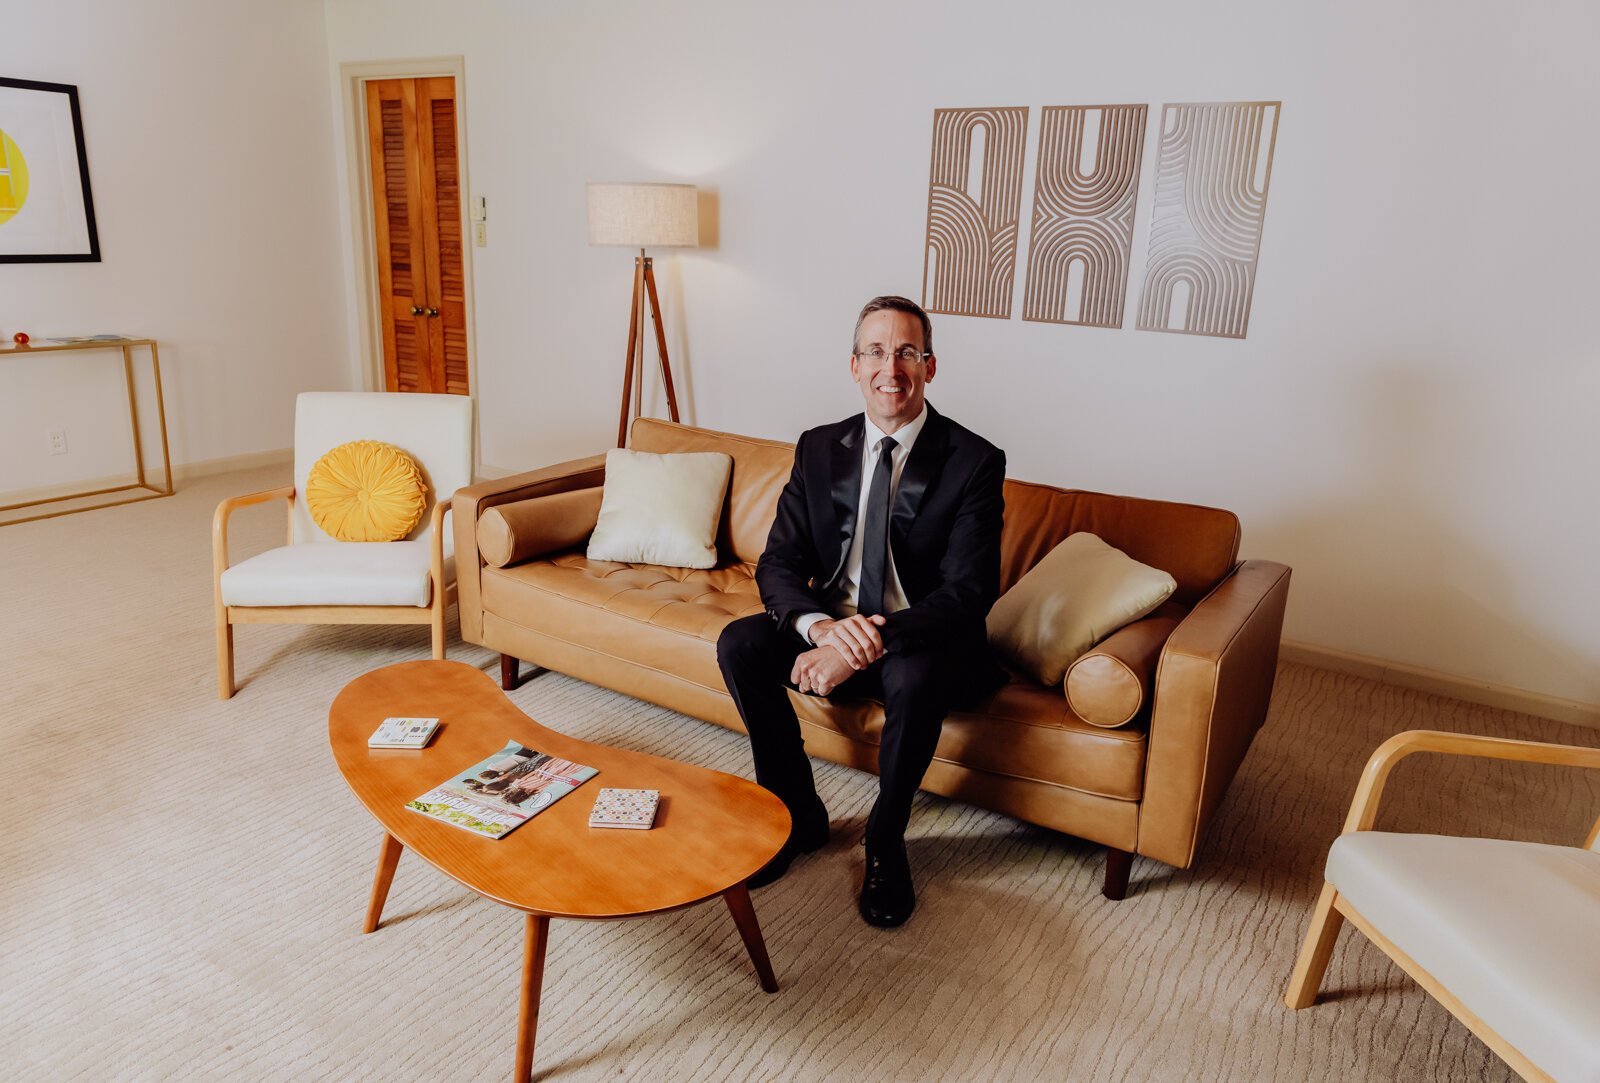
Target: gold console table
{"x":148,"y":491}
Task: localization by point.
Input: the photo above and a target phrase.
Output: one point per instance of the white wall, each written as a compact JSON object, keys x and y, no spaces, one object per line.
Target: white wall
{"x":211,"y":159}
{"x":1409,"y":423}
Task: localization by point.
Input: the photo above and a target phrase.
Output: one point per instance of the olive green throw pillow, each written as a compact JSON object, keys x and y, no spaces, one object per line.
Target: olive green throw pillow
{"x":1081,"y":592}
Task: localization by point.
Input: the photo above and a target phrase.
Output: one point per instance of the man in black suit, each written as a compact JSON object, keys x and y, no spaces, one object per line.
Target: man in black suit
{"x":880,"y":568}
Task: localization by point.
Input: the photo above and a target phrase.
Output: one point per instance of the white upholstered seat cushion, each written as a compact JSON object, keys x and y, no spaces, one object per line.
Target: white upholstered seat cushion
{"x":345,"y":573}
{"x":1512,"y":929}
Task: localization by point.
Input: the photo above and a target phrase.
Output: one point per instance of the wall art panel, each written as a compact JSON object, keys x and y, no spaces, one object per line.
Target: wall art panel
{"x":1205,"y":231}
{"x":1085,"y":189}
{"x":974,"y":200}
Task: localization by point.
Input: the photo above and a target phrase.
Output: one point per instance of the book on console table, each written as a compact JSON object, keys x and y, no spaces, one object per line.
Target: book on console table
{"x":503,"y":792}
{"x":625,"y":808}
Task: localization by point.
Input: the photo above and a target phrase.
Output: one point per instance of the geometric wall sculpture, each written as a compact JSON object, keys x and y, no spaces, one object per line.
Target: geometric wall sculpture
{"x":1085,"y":189}
{"x":1205,"y":230}
{"x":974,"y":199}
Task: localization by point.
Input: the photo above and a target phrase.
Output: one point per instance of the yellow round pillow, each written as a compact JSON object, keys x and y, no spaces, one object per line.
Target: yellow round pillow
{"x":366,"y":491}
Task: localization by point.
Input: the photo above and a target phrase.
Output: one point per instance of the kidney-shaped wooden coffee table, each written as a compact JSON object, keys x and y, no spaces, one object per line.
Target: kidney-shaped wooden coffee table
{"x":712,"y":832}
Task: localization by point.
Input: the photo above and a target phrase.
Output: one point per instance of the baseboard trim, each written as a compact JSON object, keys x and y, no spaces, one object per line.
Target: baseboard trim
{"x":228,"y":464}
{"x":181,"y":472}
{"x":1444,"y":684}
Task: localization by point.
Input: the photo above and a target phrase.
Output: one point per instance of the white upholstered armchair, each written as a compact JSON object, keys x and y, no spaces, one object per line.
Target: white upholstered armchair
{"x":1504,"y":934}
{"x":317,"y":579}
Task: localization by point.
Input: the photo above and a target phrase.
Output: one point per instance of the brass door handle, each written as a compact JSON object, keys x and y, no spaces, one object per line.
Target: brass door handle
{"x":417,"y":310}
{"x":433,"y":313}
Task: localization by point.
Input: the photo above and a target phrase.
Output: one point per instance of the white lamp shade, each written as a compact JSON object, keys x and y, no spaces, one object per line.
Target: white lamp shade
{"x":644,"y":215}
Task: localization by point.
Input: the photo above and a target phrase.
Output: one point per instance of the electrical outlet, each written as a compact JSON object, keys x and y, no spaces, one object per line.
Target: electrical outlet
{"x":58,"y":441}
{"x":480,"y":234}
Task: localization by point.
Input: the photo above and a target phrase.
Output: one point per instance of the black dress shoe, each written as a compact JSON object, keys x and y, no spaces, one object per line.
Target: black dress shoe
{"x":806,"y":834}
{"x":887,"y":897}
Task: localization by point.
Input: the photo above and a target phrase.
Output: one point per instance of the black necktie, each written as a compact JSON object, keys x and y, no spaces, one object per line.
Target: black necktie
{"x":875,"y":534}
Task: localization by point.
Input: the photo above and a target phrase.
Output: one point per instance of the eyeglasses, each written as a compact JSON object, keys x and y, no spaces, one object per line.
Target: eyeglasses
{"x":908,"y":355}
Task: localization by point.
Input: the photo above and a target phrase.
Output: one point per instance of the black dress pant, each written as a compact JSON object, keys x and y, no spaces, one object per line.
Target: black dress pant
{"x":916,"y":690}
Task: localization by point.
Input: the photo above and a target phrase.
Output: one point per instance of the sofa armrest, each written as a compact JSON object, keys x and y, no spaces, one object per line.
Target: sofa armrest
{"x":472,"y":501}
{"x":1212,"y":690}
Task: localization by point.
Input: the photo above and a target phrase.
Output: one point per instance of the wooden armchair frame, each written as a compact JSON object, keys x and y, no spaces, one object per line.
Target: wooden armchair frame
{"x":1332,"y":909}
{"x":441,"y":596}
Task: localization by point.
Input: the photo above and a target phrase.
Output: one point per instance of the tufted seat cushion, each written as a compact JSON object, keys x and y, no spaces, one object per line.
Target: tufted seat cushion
{"x":666,"y":619}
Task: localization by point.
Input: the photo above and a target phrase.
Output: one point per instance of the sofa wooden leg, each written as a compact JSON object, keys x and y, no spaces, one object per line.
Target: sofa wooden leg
{"x":1119,"y":863}
{"x":508,"y":672}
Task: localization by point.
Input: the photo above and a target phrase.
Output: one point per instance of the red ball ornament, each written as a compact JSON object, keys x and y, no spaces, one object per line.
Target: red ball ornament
{"x":20,"y":338}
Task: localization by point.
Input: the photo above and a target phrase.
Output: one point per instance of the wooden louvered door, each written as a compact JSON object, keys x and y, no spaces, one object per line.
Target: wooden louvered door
{"x":416,"y":199}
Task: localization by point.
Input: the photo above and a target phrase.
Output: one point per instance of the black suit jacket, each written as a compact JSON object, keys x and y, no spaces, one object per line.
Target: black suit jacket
{"x":944,"y":531}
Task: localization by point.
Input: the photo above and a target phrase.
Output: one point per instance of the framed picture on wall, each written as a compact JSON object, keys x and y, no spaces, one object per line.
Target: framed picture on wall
{"x":46,"y":211}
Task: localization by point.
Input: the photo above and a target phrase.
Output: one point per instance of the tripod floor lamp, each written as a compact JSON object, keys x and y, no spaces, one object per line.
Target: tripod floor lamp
{"x":643,"y":216}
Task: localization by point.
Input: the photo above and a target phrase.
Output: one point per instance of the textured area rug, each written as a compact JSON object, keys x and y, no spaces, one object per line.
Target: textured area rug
{"x":184,"y":880}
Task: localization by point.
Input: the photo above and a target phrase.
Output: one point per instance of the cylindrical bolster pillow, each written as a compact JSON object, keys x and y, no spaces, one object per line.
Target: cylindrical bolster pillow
{"x":524,"y":529}
{"x":1107,"y":686}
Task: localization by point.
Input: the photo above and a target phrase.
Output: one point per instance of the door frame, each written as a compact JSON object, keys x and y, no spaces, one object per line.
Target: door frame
{"x":353,"y":79}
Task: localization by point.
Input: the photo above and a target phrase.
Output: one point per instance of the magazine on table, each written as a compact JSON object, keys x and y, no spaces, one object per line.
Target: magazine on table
{"x":498,"y":795}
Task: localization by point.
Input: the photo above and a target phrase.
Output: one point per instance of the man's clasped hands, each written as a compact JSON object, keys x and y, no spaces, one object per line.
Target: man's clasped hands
{"x":843,"y":647}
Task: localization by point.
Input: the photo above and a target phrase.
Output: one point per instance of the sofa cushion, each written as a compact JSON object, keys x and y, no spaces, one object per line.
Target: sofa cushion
{"x":350,"y":573}
{"x":1076,"y":596}
{"x":661,"y":509}
{"x":1507,"y":927}
{"x":690,"y":601}
{"x":1110,"y":684}
{"x":1022,"y":731}
{"x":668,"y":619}
{"x":760,"y":470}
{"x":524,"y":529}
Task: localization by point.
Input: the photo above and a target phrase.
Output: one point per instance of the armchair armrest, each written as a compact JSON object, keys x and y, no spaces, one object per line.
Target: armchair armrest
{"x":1369,"y":791}
{"x":1212,"y":689}
{"x":473,"y":500}
{"x":436,"y":547}
{"x":219,"y":525}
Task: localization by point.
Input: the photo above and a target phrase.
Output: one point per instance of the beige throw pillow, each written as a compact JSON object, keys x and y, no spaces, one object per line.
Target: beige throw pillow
{"x":1081,"y":592}
{"x":661,"y":509}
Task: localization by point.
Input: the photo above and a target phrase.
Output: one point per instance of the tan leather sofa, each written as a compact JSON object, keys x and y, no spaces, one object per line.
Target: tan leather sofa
{"x":1196,"y":675}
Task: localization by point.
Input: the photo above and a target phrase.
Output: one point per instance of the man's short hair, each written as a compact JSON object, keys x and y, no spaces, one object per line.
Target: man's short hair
{"x":891,"y":303}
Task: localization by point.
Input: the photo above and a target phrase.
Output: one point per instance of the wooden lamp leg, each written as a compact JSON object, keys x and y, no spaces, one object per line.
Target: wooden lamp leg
{"x":661,"y":337}
{"x":633,"y":345}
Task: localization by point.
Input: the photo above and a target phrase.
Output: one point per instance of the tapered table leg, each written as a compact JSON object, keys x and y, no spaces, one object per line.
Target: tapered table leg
{"x":744,"y":916}
{"x":388,"y":858}
{"x":538,"y":938}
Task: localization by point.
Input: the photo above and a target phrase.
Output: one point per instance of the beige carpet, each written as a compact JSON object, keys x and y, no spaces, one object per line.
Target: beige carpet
{"x":184,"y":879}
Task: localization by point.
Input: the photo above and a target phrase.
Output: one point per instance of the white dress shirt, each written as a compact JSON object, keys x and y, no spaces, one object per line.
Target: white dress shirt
{"x":894,"y":595}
